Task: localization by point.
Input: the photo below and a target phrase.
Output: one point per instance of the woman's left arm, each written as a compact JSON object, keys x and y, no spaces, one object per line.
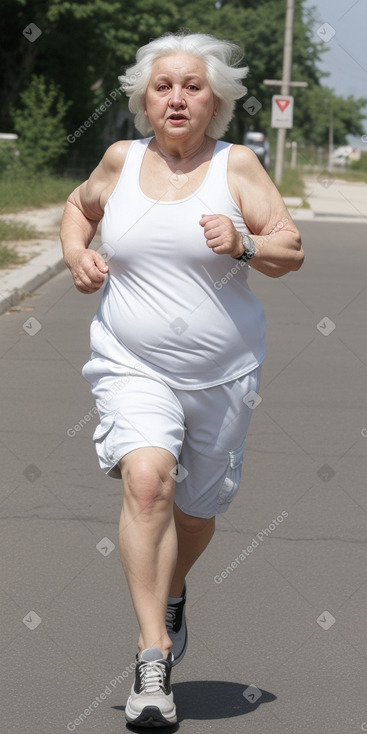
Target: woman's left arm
{"x":277,"y":239}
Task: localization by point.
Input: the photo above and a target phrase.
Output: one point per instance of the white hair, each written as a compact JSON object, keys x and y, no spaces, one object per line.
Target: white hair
{"x":223,"y":74}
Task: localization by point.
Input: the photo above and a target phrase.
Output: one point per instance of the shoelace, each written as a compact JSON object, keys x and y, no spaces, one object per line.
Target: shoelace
{"x":171,"y":613}
{"x":152,"y":675}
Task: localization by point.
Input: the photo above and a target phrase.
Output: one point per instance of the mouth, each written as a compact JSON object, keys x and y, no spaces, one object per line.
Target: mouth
{"x":177,"y":117}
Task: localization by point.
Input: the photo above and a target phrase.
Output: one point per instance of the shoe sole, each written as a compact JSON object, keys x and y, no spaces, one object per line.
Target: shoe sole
{"x":150,"y":716}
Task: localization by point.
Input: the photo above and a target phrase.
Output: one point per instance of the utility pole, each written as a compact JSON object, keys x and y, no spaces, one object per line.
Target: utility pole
{"x":286,"y":77}
{"x":285,"y":83}
{"x":331,"y":137}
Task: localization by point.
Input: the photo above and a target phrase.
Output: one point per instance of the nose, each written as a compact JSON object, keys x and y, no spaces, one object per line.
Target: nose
{"x":177,"y":98}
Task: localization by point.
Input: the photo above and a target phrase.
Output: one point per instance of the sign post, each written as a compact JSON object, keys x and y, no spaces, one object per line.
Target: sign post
{"x":285,"y":83}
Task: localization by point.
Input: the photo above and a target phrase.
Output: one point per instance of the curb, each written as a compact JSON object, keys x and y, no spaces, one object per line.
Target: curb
{"x":30,"y":276}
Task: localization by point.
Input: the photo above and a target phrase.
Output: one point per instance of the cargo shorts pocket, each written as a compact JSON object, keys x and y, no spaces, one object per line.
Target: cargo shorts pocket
{"x":103,"y":438}
{"x":232,"y":480}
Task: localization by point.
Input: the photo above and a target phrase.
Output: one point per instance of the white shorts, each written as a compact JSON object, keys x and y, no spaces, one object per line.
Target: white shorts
{"x":205,"y":430}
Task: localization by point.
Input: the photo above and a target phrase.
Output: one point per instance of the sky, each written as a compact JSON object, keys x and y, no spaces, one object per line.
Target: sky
{"x":343,"y":29}
{"x":346,"y":57}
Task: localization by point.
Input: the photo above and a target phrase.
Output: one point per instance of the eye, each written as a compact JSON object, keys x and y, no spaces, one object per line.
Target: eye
{"x":192,"y":87}
{"x":162,"y":87}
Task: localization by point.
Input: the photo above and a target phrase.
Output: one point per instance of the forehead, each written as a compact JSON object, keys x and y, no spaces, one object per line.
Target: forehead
{"x":180,"y":65}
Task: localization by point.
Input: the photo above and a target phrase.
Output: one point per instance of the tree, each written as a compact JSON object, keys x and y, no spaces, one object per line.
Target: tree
{"x":39,"y":124}
{"x":85,"y":45}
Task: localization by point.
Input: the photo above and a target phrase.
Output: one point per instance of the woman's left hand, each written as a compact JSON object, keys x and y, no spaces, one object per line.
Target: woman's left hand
{"x":221,"y":235}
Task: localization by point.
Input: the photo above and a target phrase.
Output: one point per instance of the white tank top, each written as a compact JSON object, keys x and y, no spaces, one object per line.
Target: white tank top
{"x":171,"y":305}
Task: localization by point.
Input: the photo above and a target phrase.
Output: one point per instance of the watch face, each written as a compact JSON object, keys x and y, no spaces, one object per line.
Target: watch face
{"x":248,"y":243}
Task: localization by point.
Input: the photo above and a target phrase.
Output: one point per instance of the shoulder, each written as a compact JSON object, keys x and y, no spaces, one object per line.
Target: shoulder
{"x":247,"y":178}
{"x":242,"y":160}
{"x":115,"y":156}
{"x":92,"y":195}
{"x":252,"y":188}
{"x":104,"y":178}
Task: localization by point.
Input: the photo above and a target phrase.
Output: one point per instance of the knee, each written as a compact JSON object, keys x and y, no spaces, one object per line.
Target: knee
{"x":146,"y":486}
{"x":190,"y":524}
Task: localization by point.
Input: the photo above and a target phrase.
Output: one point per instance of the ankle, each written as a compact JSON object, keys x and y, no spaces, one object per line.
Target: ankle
{"x":177,"y":589}
{"x":163,"y":643}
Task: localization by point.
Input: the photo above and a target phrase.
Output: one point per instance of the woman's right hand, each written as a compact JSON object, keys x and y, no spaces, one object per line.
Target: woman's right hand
{"x":88,"y":269}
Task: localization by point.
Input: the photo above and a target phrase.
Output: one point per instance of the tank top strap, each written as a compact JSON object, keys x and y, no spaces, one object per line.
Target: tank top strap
{"x":134,"y":159}
{"x":216,"y":178}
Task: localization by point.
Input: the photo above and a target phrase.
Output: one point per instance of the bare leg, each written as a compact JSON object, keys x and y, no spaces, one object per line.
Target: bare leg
{"x":148,"y":540}
{"x":193,"y":536}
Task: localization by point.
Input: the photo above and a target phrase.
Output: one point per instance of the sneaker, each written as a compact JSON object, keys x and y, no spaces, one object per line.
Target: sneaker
{"x":176,"y":627}
{"x":151,"y":701}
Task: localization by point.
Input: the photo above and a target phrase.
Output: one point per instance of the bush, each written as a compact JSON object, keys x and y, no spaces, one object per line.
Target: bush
{"x":8,"y":155}
{"x":360,"y":165}
{"x":39,"y":124}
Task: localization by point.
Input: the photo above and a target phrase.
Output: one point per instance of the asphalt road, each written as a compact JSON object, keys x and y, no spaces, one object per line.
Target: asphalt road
{"x":288,"y":617}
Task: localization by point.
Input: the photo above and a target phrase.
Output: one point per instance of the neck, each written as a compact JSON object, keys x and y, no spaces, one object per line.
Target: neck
{"x":179,"y":150}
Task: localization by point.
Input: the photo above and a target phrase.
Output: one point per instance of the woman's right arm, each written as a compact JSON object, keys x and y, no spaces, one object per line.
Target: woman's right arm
{"x":83,"y":211}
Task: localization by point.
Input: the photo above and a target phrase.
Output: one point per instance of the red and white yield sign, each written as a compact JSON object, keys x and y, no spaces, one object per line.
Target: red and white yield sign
{"x":282,"y":111}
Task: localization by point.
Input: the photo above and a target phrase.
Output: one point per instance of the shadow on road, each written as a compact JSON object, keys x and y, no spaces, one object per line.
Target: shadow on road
{"x":203,"y":699}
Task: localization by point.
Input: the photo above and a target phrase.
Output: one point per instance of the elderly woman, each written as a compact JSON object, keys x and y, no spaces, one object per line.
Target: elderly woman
{"x":178,"y":339}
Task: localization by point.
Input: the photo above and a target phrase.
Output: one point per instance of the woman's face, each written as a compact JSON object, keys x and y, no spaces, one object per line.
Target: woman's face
{"x":179,"y":101}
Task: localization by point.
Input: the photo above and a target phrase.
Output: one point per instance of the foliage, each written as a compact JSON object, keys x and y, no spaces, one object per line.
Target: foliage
{"x":360,"y":165}
{"x":19,"y":192}
{"x":8,"y":155}
{"x":8,"y":256}
{"x":313,"y":110}
{"x":85,"y":44}
{"x":292,"y":183}
{"x":353,"y":175}
{"x":10,"y":231}
{"x":39,"y":124}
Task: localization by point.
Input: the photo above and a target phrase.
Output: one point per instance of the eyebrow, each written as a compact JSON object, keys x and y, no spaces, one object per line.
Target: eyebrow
{"x":163,"y":77}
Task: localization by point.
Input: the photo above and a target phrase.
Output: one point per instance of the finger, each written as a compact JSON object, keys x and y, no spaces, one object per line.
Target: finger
{"x":100,"y":263}
{"x":213,"y":242}
{"x":88,"y":280}
{"x":207,"y":218}
{"x":94,"y":271}
{"x":213,"y":233}
{"x":84,"y":288}
{"x":216,"y":244}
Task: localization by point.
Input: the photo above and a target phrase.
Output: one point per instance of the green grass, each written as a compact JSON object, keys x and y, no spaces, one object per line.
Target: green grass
{"x":8,"y":256}
{"x":350,"y":175}
{"x":10,"y":231}
{"x":17,"y":192}
{"x":292,"y":182}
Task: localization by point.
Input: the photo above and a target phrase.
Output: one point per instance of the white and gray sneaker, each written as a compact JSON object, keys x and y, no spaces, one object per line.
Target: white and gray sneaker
{"x":151,"y":700}
{"x":176,"y":626}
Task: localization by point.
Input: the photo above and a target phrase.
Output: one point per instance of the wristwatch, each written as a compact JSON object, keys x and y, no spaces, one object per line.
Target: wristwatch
{"x":249,"y":248}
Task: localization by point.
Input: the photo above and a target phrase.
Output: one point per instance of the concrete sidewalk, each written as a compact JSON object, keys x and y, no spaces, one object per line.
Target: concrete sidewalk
{"x":331,"y":197}
{"x":44,"y":252}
